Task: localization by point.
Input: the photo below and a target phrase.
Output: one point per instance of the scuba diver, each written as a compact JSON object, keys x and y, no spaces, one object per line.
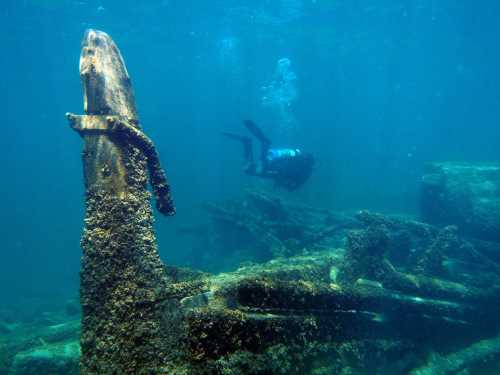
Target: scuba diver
{"x":289,"y":168}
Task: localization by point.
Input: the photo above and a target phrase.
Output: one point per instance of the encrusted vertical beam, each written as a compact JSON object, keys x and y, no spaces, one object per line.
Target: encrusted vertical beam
{"x":123,"y":280}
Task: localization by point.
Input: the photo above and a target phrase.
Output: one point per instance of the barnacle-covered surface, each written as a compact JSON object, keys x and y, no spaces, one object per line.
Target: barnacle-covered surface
{"x":122,"y":279}
{"x":327,"y":310}
{"x":357,"y":310}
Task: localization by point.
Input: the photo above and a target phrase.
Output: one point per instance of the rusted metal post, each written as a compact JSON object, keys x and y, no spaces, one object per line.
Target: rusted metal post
{"x":123,"y":280}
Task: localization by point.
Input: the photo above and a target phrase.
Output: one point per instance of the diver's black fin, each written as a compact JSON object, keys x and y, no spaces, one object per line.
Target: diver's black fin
{"x":255,"y":130}
{"x":247,"y":144}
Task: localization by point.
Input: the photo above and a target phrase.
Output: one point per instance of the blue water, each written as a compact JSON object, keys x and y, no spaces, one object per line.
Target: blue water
{"x":378,"y":88}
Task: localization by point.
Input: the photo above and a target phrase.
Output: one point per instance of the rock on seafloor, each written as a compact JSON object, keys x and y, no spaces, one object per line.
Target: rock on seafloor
{"x":463,"y":194}
{"x":55,"y":358}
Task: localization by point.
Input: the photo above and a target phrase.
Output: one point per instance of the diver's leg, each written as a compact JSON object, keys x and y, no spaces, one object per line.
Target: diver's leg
{"x":249,"y":163}
{"x":265,"y":144}
{"x":257,"y":132}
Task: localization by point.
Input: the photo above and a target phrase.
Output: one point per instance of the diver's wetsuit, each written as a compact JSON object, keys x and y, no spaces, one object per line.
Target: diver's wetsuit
{"x":289,"y":168}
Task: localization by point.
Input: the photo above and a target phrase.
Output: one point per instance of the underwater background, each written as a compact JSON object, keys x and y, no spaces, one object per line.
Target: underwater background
{"x":375,"y":89}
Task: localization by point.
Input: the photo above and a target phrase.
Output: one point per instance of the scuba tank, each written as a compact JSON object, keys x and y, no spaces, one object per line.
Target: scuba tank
{"x":282,"y":153}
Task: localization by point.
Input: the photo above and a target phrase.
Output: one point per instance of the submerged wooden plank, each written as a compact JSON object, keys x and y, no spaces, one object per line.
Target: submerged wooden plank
{"x":122,"y":279}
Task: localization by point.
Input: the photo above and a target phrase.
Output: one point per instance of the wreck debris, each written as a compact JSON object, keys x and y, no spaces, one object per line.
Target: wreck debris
{"x":292,"y":313}
{"x":270,"y":227}
{"x":123,"y":281}
{"x":366,"y":258}
{"x":484,"y":351}
{"x":295,"y":304}
{"x":431,"y":261}
{"x":426,"y":245}
{"x":334,"y":298}
{"x":463,"y":194}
